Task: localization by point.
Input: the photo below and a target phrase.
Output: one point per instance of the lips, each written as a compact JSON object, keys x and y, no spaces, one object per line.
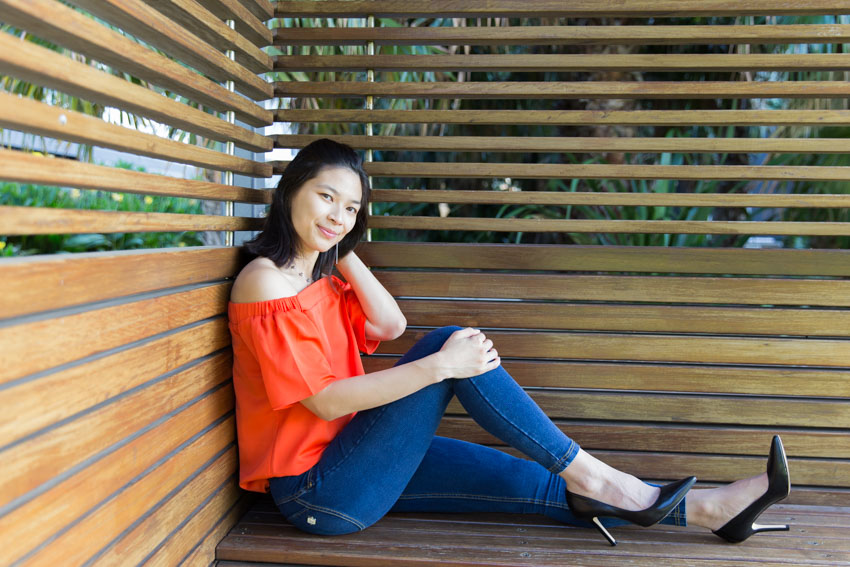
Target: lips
{"x":328,"y":233}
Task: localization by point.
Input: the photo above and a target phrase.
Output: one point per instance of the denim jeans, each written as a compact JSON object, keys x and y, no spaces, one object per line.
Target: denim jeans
{"x":389,"y":459}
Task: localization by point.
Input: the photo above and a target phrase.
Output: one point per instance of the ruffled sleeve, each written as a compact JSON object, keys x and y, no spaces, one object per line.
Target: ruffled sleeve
{"x":357,"y":318}
{"x":289,"y":349}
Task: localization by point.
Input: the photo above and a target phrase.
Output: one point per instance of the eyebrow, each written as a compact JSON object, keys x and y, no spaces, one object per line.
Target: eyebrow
{"x":335,"y":192}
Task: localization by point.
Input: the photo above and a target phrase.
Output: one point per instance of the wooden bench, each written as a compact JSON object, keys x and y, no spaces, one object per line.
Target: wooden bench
{"x":663,"y":362}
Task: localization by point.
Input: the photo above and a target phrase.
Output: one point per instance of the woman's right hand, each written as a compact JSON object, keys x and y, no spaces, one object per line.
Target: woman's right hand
{"x":467,"y":352}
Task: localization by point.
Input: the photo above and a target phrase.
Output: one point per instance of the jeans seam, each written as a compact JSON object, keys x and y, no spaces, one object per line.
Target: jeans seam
{"x":485,"y":499}
{"x":526,"y":435}
{"x":338,"y":514}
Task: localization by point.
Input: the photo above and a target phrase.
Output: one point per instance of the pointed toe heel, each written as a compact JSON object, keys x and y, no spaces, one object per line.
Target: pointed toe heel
{"x":744,"y":524}
{"x":669,"y":497}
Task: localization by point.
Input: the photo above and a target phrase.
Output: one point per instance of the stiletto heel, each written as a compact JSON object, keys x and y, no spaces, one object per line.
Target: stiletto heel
{"x":743,"y":525}
{"x":602,"y":529}
{"x":669,"y":497}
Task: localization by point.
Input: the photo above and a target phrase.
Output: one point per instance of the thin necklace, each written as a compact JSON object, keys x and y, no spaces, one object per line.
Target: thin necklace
{"x":292,"y":267}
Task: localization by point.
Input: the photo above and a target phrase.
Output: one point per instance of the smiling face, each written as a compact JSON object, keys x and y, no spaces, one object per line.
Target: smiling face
{"x":325,"y":207}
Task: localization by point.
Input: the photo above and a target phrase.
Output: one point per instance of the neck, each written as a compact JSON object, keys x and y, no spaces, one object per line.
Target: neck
{"x":306,"y":262}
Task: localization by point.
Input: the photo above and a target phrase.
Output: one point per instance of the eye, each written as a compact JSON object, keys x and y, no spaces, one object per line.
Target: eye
{"x":352,"y":210}
{"x":326,"y":196}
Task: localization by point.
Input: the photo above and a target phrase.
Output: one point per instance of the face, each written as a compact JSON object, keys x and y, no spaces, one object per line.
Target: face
{"x":324,"y":209}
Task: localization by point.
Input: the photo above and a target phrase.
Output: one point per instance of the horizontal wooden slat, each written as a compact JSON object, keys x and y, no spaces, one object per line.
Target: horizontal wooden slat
{"x":666,"y":377}
{"x":73,"y":390}
{"x":565,"y":62}
{"x":247,"y":24}
{"x":565,"y":198}
{"x":262,"y":9}
{"x":76,"y":336}
{"x":667,"y":408}
{"x":516,"y":540}
{"x":182,"y":542}
{"x":604,"y":171}
{"x":619,"y":288}
{"x":611,"y":226}
{"x":54,"y":453}
{"x":552,"y":8}
{"x":33,"y":284}
{"x":63,"y":503}
{"x":204,"y":552}
{"x":567,"y":35}
{"x":67,"y":27}
{"x":23,"y":167}
{"x":149,"y":25}
{"x":27,"y":115}
{"x":198,"y":20}
{"x":658,"y":259}
{"x":160,"y":531}
{"x":582,"y":144}
{"x":120,"y":513}
{"x":657,"y":348}
{"x":674,"y":438}
{"x":576,"y":117}
{"x":715,"y":469}
{"x":623,"y":317}
{"x":39,"y":220}
{"x":39,"y":65}
{"x":563,"y":90}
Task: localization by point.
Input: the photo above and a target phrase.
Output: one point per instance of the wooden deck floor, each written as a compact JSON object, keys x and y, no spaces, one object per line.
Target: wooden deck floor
{"x":819,"y":536}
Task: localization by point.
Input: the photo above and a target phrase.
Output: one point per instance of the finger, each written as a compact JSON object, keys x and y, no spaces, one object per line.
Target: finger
{"x":465,"y":333}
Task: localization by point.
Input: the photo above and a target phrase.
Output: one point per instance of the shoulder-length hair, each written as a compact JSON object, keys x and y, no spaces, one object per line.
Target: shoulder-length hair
{"x":278,"y":241}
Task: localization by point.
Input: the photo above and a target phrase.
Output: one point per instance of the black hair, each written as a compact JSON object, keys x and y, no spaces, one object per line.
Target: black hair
{"x":278,"y":241}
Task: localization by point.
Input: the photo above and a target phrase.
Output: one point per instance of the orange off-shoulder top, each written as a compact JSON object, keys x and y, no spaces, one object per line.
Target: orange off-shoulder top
{"x":286,"y":350}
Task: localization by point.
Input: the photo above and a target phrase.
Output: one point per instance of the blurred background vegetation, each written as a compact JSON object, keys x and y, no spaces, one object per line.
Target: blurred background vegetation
{"x":17,"y":194}
{"x":519,"y":130}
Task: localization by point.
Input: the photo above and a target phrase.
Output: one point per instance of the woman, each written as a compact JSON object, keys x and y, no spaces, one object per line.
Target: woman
{"x":338,"y":448}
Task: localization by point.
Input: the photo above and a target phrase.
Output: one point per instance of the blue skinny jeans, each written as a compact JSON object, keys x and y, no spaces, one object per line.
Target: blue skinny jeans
{"x":389,"y":459}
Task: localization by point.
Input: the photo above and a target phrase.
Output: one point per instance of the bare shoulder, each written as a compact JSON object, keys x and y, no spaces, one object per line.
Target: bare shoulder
{"x":260,"y":280}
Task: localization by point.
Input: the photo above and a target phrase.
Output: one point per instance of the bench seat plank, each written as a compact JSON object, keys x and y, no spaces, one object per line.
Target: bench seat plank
{"x":816,"y":538}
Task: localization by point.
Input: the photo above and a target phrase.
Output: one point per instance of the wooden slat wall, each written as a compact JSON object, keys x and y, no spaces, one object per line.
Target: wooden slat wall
{"x":117,"y":433}
{"x":663,"y":360}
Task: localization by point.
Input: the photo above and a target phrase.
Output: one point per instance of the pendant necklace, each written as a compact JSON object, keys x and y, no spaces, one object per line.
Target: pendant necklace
{"x":292,"y":267}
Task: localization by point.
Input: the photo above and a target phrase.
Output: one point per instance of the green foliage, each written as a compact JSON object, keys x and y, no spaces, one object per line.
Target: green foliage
{"x":27,"y":195}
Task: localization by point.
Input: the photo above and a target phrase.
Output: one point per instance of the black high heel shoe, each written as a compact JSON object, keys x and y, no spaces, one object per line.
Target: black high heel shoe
{"x":670,"y":496}
{"x":743,"y":525}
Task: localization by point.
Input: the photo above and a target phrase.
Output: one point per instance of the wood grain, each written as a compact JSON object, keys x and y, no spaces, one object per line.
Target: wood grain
{"x":586,"y":144}
{"x":33,"y":284}
{"x":603,"y":288}
{"x":716,"y":379}
{"x":552,"y":8}
{"x":67,"y":27}
{"x":200,"y":21}
{"x":567,"y":35}
{"x":149,"y":25}
{"x":565,"y":198}
{"x":656,"y":348}
{"x":61,"y":449}
{"x":41,"y":66}
{"x":560,"y":90}
{"x":778,"y":228}
{"x":44,"y":220}
{"x":23,"y":167}
{"x":27,"y":115}
{"x":65,"y":502}
{"x":566,"y":63}
{"x":247,"y":24}
{"x":73,"y":390}
{"x":658,"y":259}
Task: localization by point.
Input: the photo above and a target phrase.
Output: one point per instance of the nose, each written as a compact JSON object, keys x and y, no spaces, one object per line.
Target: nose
{"x":335,"y":214}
